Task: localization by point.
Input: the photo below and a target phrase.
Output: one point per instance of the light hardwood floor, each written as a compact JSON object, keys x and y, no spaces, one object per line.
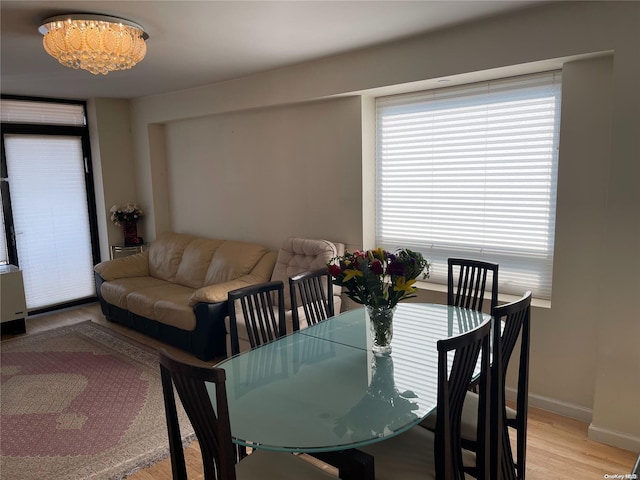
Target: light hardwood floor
{"x":557,"y":447}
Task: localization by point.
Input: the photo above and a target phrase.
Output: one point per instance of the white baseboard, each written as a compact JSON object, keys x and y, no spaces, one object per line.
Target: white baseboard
{"x":614,"y":438}
{"x":556,"y":406}
{"x":583,"y":414}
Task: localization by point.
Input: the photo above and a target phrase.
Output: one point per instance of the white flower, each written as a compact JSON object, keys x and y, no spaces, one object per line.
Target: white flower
{"x":129,"y":213}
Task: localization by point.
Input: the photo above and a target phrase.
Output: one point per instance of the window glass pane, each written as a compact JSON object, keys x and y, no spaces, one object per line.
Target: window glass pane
{"x":471,"y":172}
{"x":51,"y":220}
{"x":18,"y":111}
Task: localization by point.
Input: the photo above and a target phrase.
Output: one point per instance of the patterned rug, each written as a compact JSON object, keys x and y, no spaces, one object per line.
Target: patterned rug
{"x":80,"y":402}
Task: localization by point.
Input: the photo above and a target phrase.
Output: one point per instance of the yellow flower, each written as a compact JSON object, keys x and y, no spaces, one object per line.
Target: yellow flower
{"x":403,"y":285}
{"x":349,"y":274}
{"x":379,"y":253}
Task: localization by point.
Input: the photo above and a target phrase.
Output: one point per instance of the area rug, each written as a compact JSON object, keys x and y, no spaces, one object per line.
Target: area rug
{"x":80,"y":402}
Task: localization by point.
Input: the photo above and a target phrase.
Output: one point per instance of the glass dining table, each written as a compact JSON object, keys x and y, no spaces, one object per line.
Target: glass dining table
{"x":321,"y":389}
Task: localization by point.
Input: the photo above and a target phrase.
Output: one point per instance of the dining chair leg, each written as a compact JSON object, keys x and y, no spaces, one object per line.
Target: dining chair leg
{"x":352,"y":464}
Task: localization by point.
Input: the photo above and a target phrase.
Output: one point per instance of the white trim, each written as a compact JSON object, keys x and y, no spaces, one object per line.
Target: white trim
{"x":597,"y":434}
{"x":614,"y":438}
{"x":502,"y":297}
{"x":553,"y":405}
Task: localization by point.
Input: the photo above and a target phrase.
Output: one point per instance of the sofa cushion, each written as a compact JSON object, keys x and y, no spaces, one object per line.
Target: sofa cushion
{"x":165,"y":255}
{"x":232,"y":260}
{"x":218,"y":292}
{"x":167,"y":303}
{"x":115,"y":292}
{"x":195,"y":262}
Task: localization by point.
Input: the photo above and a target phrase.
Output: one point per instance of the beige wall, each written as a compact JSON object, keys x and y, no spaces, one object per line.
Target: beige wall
{"x":113,"y":164}
{"x":259,"y":174}
{"x":218,"y":159}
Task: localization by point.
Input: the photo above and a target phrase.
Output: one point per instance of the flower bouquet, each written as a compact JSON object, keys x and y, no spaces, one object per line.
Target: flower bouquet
{"x":129,"y":213}
{"x":379,"y":280}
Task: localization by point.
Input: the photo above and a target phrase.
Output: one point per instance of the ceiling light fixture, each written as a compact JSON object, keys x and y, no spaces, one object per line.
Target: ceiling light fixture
{"x":97,"y":43}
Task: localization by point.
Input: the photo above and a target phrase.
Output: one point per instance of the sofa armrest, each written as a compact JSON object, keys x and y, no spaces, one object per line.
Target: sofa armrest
{"x":218,"y":292}
{"x":130,"y":266}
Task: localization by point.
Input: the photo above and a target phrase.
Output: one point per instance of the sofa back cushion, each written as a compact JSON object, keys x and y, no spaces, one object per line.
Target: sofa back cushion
{"x":233,"y":259}
{"x":197,"y":262}
{"x":165,"y":255}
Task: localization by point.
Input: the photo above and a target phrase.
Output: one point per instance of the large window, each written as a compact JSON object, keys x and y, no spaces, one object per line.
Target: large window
{"x":471,"y":171}
{"x":47,"y":201}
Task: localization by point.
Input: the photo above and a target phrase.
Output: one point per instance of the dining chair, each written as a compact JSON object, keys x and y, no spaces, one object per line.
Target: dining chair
{"x":514,"y":319}
{"x":312,"y":292}
{"x":213,"y":429}
{"x":420,"y":453}
{"x":259,"y":309}
{"x":467,"y":283}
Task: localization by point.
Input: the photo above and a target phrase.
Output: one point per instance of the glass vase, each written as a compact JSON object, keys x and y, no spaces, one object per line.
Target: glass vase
{"x":381,"y":328}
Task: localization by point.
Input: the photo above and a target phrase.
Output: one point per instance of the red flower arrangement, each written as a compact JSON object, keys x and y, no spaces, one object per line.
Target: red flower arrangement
{"x":378,"y":278}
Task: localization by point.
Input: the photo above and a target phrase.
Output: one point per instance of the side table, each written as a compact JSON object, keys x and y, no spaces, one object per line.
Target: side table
{"x":118,"y":251}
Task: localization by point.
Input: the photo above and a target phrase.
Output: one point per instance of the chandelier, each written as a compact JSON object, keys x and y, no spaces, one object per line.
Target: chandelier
{"x":97,"y":43}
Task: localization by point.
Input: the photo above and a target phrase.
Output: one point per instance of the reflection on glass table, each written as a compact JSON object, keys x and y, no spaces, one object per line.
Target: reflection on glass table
{"x":321,"y":389}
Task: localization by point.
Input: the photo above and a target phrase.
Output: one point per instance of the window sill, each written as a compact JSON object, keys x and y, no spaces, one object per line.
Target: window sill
{"x":502,"y":297}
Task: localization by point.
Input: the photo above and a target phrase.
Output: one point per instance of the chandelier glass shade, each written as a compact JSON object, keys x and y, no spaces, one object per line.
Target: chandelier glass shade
{"x":97,"y":43}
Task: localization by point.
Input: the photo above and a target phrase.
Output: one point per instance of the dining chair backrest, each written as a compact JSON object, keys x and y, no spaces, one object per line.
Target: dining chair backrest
{"x":212,"y":428}
{"x":313,"y":292}
{"x":514,"y":319}
{"x":467,"y":281}
{"x":452,"y":386}
{"x":262,"y":309}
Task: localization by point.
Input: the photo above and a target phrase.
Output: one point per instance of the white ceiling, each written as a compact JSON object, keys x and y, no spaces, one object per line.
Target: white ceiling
{"x":194,"y":43}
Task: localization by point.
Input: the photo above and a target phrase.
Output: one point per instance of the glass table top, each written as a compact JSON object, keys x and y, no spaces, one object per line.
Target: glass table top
{"x":322,"y":389}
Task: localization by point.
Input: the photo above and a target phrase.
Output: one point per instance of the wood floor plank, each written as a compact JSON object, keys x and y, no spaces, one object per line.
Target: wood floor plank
{"x":557,"y":446}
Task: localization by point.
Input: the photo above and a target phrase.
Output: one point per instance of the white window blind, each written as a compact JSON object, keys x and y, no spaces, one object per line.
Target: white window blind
{"x":471,"y":171}
{"x":51,"y":217}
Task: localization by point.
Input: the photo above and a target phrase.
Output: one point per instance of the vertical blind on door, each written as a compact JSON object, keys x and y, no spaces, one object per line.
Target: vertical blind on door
{"x":51,"y":217}
{"x":471,"y":171}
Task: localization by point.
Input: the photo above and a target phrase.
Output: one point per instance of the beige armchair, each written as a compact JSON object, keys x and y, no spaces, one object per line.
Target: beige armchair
{"x":296,"y":255}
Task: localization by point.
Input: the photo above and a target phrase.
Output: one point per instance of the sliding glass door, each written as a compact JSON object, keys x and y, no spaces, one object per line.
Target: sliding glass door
{"x":50,"y":217}
{"x":48,"y":203}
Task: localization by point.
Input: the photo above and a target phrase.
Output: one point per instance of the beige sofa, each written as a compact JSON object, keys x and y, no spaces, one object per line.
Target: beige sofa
{"x":176,"y":291}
